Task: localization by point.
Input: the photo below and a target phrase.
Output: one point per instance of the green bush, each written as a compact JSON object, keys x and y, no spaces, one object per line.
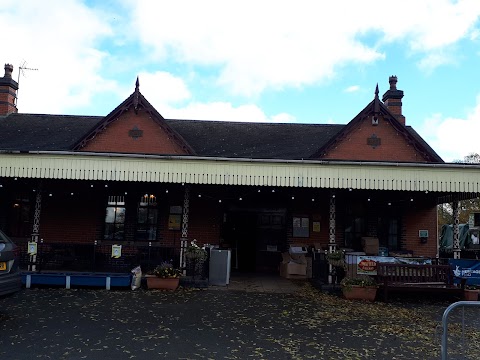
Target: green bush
{"x":358,"y":281}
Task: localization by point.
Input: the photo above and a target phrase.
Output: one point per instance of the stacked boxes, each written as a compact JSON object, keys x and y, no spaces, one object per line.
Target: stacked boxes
{"x":370,"y":245}
{"x":294,"y":263}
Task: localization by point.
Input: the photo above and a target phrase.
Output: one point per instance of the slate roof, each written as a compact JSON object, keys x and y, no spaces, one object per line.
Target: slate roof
{"x":43,"y":132}
{"x":254,"y":140}
{"x":39,"y":132}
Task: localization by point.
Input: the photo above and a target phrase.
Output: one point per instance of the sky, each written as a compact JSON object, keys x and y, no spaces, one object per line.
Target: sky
{"x":264,"y":61}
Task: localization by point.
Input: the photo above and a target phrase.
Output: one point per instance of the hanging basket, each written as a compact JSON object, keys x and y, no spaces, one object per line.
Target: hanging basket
{"x":337,"y":263}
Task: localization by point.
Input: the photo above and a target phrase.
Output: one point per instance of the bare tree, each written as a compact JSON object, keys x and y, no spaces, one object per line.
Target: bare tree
{"x":466,"y":207}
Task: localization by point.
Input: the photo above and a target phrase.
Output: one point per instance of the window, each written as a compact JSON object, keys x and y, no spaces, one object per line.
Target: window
{"x":115,"y":218}
{"x":147,"y":214}
{"x":301,"y":227}
{"x":19,"y":221}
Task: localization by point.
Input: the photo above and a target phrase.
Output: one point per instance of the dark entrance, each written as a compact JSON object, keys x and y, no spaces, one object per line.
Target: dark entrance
{"x":257,"y":237}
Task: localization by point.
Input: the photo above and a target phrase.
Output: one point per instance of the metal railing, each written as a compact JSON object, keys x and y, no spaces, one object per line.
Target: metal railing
{"x":445,"y":322}
{"x":95,"y":257}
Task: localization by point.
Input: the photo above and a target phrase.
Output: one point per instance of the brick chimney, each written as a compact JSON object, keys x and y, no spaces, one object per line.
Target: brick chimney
{"x":393,"y":99}
{"x":8,"y":92}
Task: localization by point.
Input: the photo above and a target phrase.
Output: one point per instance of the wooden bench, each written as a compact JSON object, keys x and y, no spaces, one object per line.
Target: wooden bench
{"x":409,"y":278}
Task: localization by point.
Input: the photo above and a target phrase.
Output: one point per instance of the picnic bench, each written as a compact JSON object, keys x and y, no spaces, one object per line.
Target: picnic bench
{"x":421,"y":278}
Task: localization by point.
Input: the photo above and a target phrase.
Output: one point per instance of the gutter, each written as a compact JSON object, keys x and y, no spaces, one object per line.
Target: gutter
{"x":453,"y":166}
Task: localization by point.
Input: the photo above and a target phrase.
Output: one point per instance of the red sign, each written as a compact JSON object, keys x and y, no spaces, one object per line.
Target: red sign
{"x":367,"y":265}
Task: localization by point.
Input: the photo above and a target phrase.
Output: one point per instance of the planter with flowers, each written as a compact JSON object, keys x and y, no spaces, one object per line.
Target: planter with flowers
{"x":471,"y":292}
{"x":359,"y":288}
{"x":195,"y":260}
{"x":164,"y":277}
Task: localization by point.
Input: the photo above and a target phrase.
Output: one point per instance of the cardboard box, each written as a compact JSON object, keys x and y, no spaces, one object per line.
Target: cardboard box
{"x":370,"y":245}
{"x":293,"y":267}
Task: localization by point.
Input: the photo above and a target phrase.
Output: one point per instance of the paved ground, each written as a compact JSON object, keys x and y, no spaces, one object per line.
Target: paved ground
{"x":212,"y":324}
{"x":261,"y":283}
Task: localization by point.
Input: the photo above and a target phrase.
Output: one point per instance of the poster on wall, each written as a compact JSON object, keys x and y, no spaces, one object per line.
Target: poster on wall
{"x":32,"y":248}
{"x":116,"y":251}
{"x":174,"y":222}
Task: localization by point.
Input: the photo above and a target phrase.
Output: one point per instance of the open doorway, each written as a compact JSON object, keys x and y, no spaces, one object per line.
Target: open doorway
{"x":257,"y":238}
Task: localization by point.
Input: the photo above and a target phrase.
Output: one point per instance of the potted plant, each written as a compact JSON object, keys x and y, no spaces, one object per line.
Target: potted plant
{"x":359,"y":288}
{"x":164,"y":276}
{"x":471,"y":292}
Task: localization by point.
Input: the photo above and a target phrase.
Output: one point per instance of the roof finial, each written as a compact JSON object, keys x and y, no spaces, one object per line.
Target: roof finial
{"x":376,"y":102}
{"x":135,"y":95}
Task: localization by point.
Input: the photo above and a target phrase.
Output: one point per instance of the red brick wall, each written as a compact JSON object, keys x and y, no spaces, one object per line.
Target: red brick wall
{"x":115,"y":138}
{"x":74,"y":219}
{"x":393,"y":145}
{"x":421,"y":217}
{"x":7,"y":97}
{"x":205,"y":220}
{"x":315,"y":213}
{"x":80,"y":218}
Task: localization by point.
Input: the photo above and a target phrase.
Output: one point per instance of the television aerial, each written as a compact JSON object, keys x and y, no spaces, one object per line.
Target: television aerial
{"x":21,"y":70}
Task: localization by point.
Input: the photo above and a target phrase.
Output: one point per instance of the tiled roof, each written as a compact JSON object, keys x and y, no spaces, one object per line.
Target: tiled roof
{"x":40,"y":132}
{"x":254,"y":140}
{"x":289,"y":141}
{"x":35,"y":132}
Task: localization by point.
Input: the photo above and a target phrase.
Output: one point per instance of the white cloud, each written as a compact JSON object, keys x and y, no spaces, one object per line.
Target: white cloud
{"x":435,"y":59}
{"x":274,"y":44}
{"x":60,"y":39}
{"x":163,"y":88}
{"x":247,"y":47}
{"x":453,"y":138}
{"x":223,"y":111}
{"x":353,"y":88}
{"x":164,"y":91}
{"x":255,"y":45}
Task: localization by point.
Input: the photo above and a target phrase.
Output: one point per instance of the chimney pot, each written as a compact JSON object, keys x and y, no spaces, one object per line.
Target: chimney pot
{"x":393,"y":82}
{"x":393,"y":99}
{"x":8,"y":71}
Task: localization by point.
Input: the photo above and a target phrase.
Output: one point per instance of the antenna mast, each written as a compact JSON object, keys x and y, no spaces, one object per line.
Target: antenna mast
{"x":21,"y":69}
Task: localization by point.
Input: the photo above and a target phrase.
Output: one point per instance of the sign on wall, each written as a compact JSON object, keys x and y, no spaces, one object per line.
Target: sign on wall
{"x":116,"y":251}
{"x":32,"y":248}
{"x":465,"y":269}
{"x":174,"y":222}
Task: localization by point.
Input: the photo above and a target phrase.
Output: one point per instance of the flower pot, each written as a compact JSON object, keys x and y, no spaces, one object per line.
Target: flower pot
{"x":471,"y":295}
{"x":155,"y":282}
{"x":355,"y":292}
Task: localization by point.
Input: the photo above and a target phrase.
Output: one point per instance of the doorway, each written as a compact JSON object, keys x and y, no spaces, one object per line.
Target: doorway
{"x":257,"y":238}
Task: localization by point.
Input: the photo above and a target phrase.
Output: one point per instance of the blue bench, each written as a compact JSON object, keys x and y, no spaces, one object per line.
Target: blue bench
{"x":68,"y":280}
